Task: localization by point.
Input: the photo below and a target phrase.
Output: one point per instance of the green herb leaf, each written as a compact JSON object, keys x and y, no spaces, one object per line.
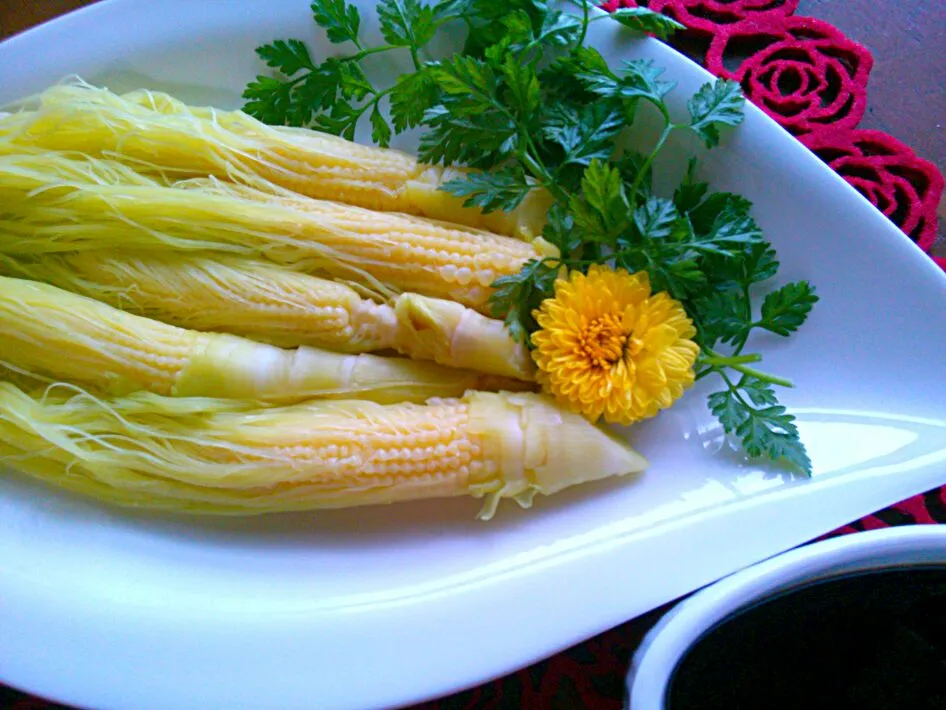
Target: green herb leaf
{"x":727,"y":408}
{"x":690,"y":193}
{"x":503,"y":189}
{"x":558,"y":29}
{"x":560,"y":229}
{"x":784,"y":310}
{"x":411,"y":96}
{"x":641,"y":19}
{"x":601,"y":211}
{"x":342,"y":120}
{"x":716,"y":104}
{"x":523,"y":87}
{"x":406,"y":23}
{"x":286,"y":56}
{"x":380,"y":130}
{"x":655,"y":218}
{"x":764,"y":430}
{"x":471,"y":125}
{"x":340,"y":20}
{"x":584,"y":134}
{"x":516,"y":296}
{"x":722,"y":317}
{"x":771,"y":432}
{"x":268,"y":100}
{"x":760,"y":393}
{"x":638,"y":80}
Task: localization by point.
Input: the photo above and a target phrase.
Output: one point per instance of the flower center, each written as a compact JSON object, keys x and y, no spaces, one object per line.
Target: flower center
{"x":603,"y":341}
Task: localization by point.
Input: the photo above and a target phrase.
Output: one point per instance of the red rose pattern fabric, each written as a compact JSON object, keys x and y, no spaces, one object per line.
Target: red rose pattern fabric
{"x":803,"y":72}
{"x":904,"y":187}
{"x":813,"y":80}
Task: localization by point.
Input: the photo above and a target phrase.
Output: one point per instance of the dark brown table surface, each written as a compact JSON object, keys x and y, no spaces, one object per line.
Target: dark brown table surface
{"x":907,"y":92}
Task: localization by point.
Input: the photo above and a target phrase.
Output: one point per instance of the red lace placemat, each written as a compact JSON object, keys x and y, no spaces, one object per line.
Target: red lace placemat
{"x":812,"y":79}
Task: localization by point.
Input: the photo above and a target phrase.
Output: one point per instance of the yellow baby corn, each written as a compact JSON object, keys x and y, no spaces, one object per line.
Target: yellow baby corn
{"x":264,"y":302}
{"x":227,"y":456}
{"x":67,"y":336}
{"x":157,"y":131}
{"x":54,"y":203}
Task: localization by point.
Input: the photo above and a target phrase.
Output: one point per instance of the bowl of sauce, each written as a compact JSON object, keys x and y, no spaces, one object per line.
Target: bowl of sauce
{"x":857,"y":621}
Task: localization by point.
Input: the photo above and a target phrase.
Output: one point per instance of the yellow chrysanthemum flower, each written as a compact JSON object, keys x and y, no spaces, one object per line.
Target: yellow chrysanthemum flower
{"x":608,"y":347}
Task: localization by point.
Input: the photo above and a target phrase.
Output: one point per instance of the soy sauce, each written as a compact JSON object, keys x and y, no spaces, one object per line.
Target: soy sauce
{"x":871,"y":641}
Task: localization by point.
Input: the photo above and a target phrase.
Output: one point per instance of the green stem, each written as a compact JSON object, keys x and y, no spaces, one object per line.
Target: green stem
{"x":730,"y":361}
{"x":529,"y":157}
{"x":415,"y":58}
{"x":741,"y":343}
{"x":635,"y":186}
{"x":739,"y":363}
{"x":362,"y":53}
{"x":584,"y":25}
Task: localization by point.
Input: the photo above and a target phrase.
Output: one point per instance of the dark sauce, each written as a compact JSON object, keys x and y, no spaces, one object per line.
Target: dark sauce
{"x":870,"y":641}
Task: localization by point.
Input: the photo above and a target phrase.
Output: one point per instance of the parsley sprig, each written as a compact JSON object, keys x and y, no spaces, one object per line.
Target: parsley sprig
{"x":529,"y":104}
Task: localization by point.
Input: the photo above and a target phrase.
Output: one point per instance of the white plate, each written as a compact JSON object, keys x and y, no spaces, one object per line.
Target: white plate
{"x":378,"y":607}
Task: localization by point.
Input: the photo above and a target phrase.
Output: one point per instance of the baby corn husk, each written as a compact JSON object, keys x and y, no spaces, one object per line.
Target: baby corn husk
{"x":156,"y":130}
{"x":56,"y":203}
{"x":66,"y":336}
{"x":266,"y":303}
{"x":207,"y":455}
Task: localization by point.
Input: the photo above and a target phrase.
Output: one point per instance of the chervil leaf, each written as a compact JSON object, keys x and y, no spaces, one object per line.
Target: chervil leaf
{"x":771,"y":432}
{"x":268,"y":100}
{"x":722,"y":317}
{"x":406,"y":23}
{"x":471,"y":124}
{"x":352,"y":82}
{"x":380,"y":130}
{"x":764,"y":430}
{"x":731,"y":231}
{"x":630,"y":164}
{"x":690,"y":192}
{"x":560,"y":229}
{"x":342,"y":120}
{"x":515,"y":297}
{"x":502,"y":189}
{"x":638,"y":80}
{"x":522,"y":85}
{"x":784,"y":310}
{"x":716,"y":104}
{"x":726,"y":407}
{"x":286,"y":56}
{"x":340,"y":20}
{"x":411,"y":96}
{"x":655,"y":218}
{"x":684,"y":276}
{"x":584,"y":134}
{"x":641,"y":19}
{"x":707,"y":213}
{"x":558,"y":29}
{"x":762,"y":263}
{"x":601,"y":211}
{"x":760,"y":393}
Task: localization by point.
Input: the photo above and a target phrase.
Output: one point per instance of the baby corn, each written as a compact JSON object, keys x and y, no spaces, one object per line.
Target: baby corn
{"x":67,"y":336}
{"x":228,"y":456}
{"x":264,"y":302}
{"x":54,"y":203}
{"x":160,"y":133}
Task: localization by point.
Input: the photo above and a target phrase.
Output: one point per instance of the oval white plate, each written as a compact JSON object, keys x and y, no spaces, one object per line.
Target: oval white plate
{"x":379,"y":607}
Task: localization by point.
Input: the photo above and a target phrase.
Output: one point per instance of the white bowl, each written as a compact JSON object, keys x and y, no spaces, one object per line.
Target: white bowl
{"x":668,"y":642}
